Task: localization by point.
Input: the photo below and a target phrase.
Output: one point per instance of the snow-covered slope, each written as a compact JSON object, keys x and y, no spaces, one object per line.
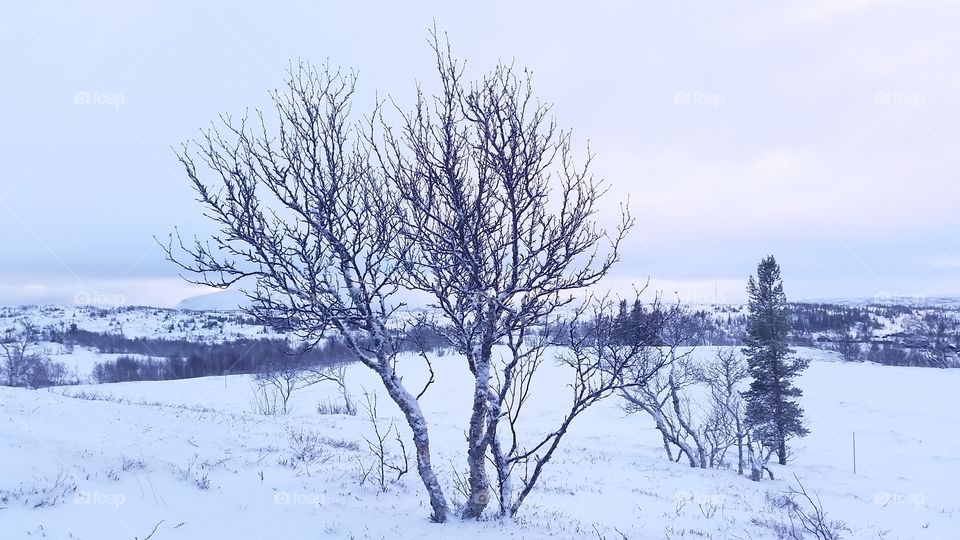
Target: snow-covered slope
{"x":228,"y":300}
{"x":189,"y":459}
{"x":947,"y":301}
{"x":138,"y":322}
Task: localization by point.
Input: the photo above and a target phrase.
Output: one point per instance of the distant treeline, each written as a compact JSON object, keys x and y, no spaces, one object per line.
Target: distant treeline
{"x":183,"y":359}
{"x":920,"y":336}
{"x":926,"y":337}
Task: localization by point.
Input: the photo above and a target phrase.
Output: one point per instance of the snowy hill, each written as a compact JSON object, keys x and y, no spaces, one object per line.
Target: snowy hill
{"x":946,"y":301}
{"x":228,"y":300}
{"x":139,"y":322}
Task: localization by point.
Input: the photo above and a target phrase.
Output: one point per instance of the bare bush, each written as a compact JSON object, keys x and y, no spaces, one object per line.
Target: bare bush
{"x":346,"y":405}
{"x":285,"y":376}
{"x":42,"y":493}
{"x":24,"y":363}
{"x":388,"y":457}
{"x":306,"y":448}
{"x":194,"y":472}
{"x":265,"y":400}
{"x":811,"y":515}
{"x":797,"y":515}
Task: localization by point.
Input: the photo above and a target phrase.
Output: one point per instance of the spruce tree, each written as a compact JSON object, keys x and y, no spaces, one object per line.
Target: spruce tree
{"x":772,"y":409}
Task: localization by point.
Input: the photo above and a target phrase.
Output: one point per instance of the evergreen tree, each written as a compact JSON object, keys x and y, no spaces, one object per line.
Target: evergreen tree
{"x":772,"y":410}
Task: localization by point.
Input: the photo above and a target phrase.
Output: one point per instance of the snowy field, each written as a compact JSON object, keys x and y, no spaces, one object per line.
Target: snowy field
{"x":190,"y":460}
{"x":140,"y":322}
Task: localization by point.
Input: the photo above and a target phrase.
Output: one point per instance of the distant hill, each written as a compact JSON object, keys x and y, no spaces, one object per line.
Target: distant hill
{"x":228,"y":300}
{"x":951,"y":301}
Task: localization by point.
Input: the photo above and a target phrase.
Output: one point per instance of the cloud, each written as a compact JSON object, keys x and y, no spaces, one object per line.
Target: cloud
{"x":53,"y":289}
{"x":821,"y":12}
{"x":780,"y":144}
{"x":948,"y":261}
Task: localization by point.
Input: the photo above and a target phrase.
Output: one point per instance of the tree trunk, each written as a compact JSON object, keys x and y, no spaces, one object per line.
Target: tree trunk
{"x":666,"y":446}
{"x":739,"y":427}
{"x":504,"y":483}
{"x":756,"y":468}
{"x":421,"y":440}
{"x":697,"y":457}
{"x":739,"y":453}
{"x":478,"y":489}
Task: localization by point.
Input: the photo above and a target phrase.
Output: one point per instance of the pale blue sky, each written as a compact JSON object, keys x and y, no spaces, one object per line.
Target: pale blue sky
{"x":824,"y":132}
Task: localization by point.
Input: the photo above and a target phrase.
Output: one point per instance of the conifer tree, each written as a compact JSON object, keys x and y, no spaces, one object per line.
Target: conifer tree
{"x":773,"y":413}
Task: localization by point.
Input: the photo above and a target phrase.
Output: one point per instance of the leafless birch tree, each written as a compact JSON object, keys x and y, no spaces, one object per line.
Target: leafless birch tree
{"x":304,"y":216}
{"x":665,"y":400}
{"x":600,"y":365}
{"x":501,"y":219}
{"x":20,"y":357}
{"x":725,"y":377}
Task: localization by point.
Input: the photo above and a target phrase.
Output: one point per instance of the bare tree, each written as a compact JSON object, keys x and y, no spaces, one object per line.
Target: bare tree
{"x":18,"y":350}
{"x":669,"y":374}
{"x":303,"y":216}
{"x":388,"y":462}
{"x":501,"y":223}
{"x":477,"y":200}
{"x":758,"y":456}
{"x":810,"y":514}
{"x":287,"y":374}
{"x":346,"y":405}
{"x":664,"y":399}
{"x":24,"y":362}
{"x":937,"y":337}
{"x":697,"y":407}
{"x":600,"y":364}
{"x":725,"y":377}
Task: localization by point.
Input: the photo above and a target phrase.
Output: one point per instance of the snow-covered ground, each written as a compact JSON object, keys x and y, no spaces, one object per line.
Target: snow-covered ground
{"x":80,"y":361}
{"x":139,"y":322}
{"x":117,"y":460}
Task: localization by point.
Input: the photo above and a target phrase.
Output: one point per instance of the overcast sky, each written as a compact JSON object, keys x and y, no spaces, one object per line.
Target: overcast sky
{"x":824,"y":132}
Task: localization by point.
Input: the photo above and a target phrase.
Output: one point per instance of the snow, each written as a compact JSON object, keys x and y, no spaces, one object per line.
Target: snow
{"x":227,"y":300}
{"x":80,"y":361}
{"x":140,"y":322}
{"x":944,"y":301}
{"x":138,"y":454}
